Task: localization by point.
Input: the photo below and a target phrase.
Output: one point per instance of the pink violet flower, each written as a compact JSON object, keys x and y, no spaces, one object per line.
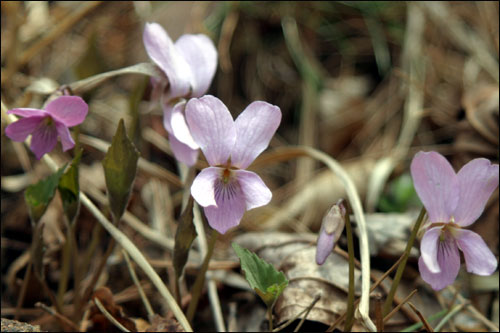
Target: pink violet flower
{"x":331,"y":228}
{"x":189,"y":66}
{"x":453,"y":201}
{"x":225,"y":189}
{"x":45,"y":126}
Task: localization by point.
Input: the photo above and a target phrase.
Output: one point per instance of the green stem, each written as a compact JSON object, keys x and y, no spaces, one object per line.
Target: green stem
{"x":200,"y":279}
{"x":65,"y":269}
{"x":270,"y":318}
{"x":350,"y":249}
{"x":401,"y":268}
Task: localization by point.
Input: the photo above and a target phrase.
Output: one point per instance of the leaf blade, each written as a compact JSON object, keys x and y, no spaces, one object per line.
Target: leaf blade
{"x":38,"y":196}
{"x":69,"y":188}
{"x":266,"y":280}
{"x":120,"y":168}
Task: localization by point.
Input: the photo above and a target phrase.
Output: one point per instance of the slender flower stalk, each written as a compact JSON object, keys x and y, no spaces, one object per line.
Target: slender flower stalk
{"x":188,"y":66}
{"x":46,"y":126}
{"x":225,"y":189}
{"x":453,"y":201}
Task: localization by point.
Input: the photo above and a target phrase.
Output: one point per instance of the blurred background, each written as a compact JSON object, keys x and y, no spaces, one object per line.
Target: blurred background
{"x":369,"y":83}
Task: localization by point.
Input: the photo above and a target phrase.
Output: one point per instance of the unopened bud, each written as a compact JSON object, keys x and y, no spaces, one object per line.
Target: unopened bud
{"x":331,"y":229}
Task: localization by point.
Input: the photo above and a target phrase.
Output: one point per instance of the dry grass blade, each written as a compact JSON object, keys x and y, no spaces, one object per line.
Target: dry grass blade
{"x":144,"y":165}
{"x":422,"y":318}
{"x":462,"y":36}
{"x":396,"y":309}
{"x":109,"y":316}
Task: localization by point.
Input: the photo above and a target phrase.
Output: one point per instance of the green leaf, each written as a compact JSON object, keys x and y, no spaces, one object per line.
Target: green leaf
{"x":69,"y":189}
{"x":399,"y":196}
{"x":120,"y":167}
{"x":184,"y":237}
{"x":262,"y":276}
{"x":39,"y":195}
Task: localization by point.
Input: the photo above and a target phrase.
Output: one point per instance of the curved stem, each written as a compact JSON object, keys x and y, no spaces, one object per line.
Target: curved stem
{"x":353,"y":196}
{"x":401,"y":268}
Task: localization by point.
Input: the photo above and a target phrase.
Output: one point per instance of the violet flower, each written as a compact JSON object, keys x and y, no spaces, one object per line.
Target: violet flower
{"x":226,"y":189}
{"x":189,"y":66}
{"x":452,"y":201}
{"x":331,"y":228}
{"x":47,"y":125}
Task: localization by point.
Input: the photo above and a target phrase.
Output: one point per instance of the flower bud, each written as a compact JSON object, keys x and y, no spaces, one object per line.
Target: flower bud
{"x":331,"y":229}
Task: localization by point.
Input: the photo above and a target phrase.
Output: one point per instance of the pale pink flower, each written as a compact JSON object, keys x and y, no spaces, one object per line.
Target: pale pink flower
{"x":189,"y":66}
{"x":45,"y":126}
{"x":226,"y":189}
{"x":331,"y":228}
{"x":453,"y":201}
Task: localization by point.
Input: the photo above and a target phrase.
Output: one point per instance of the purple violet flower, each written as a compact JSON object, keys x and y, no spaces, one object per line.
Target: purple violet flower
{"x":47,"y":125}
{"x":452,"y":201}
{"x":226,"y":189}
{"x":189,"y":66}
{"x":331,"y":228}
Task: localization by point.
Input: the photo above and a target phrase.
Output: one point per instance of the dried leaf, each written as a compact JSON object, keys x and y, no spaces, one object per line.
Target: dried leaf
{"x":99,"y":322}
{"x":160,"y":324}
{"x":87,"y":84}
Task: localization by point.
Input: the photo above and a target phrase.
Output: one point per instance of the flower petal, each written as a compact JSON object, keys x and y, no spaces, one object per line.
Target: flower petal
{"x":478,"y":257}
{"x":179,"y":126}
{"x":324,"y":245}
{"x":66,"y":139}
{"x":203,"y":188}
{"x":255,"y":127}
{"x":254,"y":190}
{"x":27,"y":112}
{"x":230,"y":206}
{"x":43,"y":139}
{"x":163,"y":52}
{"x":477,"y":180}
{"x":182,"y":152}
{"x":20,"y":129}
{"x":429,"y":247}
{"x":449,"y":261}
{"x":200,"y":53}
{"x":212,"y":128}
{"x":436,"y":184}
{"x":69,"y":110}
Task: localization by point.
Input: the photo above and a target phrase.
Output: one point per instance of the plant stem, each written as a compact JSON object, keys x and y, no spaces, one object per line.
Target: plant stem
{"x":65,"y":269}
{"x":200,"y":279}
{"x":350,"y":249}
{"x":401,"y":268}
{"x":270,"y":317}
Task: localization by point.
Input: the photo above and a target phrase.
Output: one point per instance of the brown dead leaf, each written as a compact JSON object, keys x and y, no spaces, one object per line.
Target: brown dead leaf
{"x":99,"y":323}
{"x":294,"y":254}
{"x":160,"y":324}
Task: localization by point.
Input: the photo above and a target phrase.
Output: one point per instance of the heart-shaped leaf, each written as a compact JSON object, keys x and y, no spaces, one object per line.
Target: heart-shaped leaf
{"x":120,"y":167}
{"x":39,"y":195}
{"x":267,"y":282}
